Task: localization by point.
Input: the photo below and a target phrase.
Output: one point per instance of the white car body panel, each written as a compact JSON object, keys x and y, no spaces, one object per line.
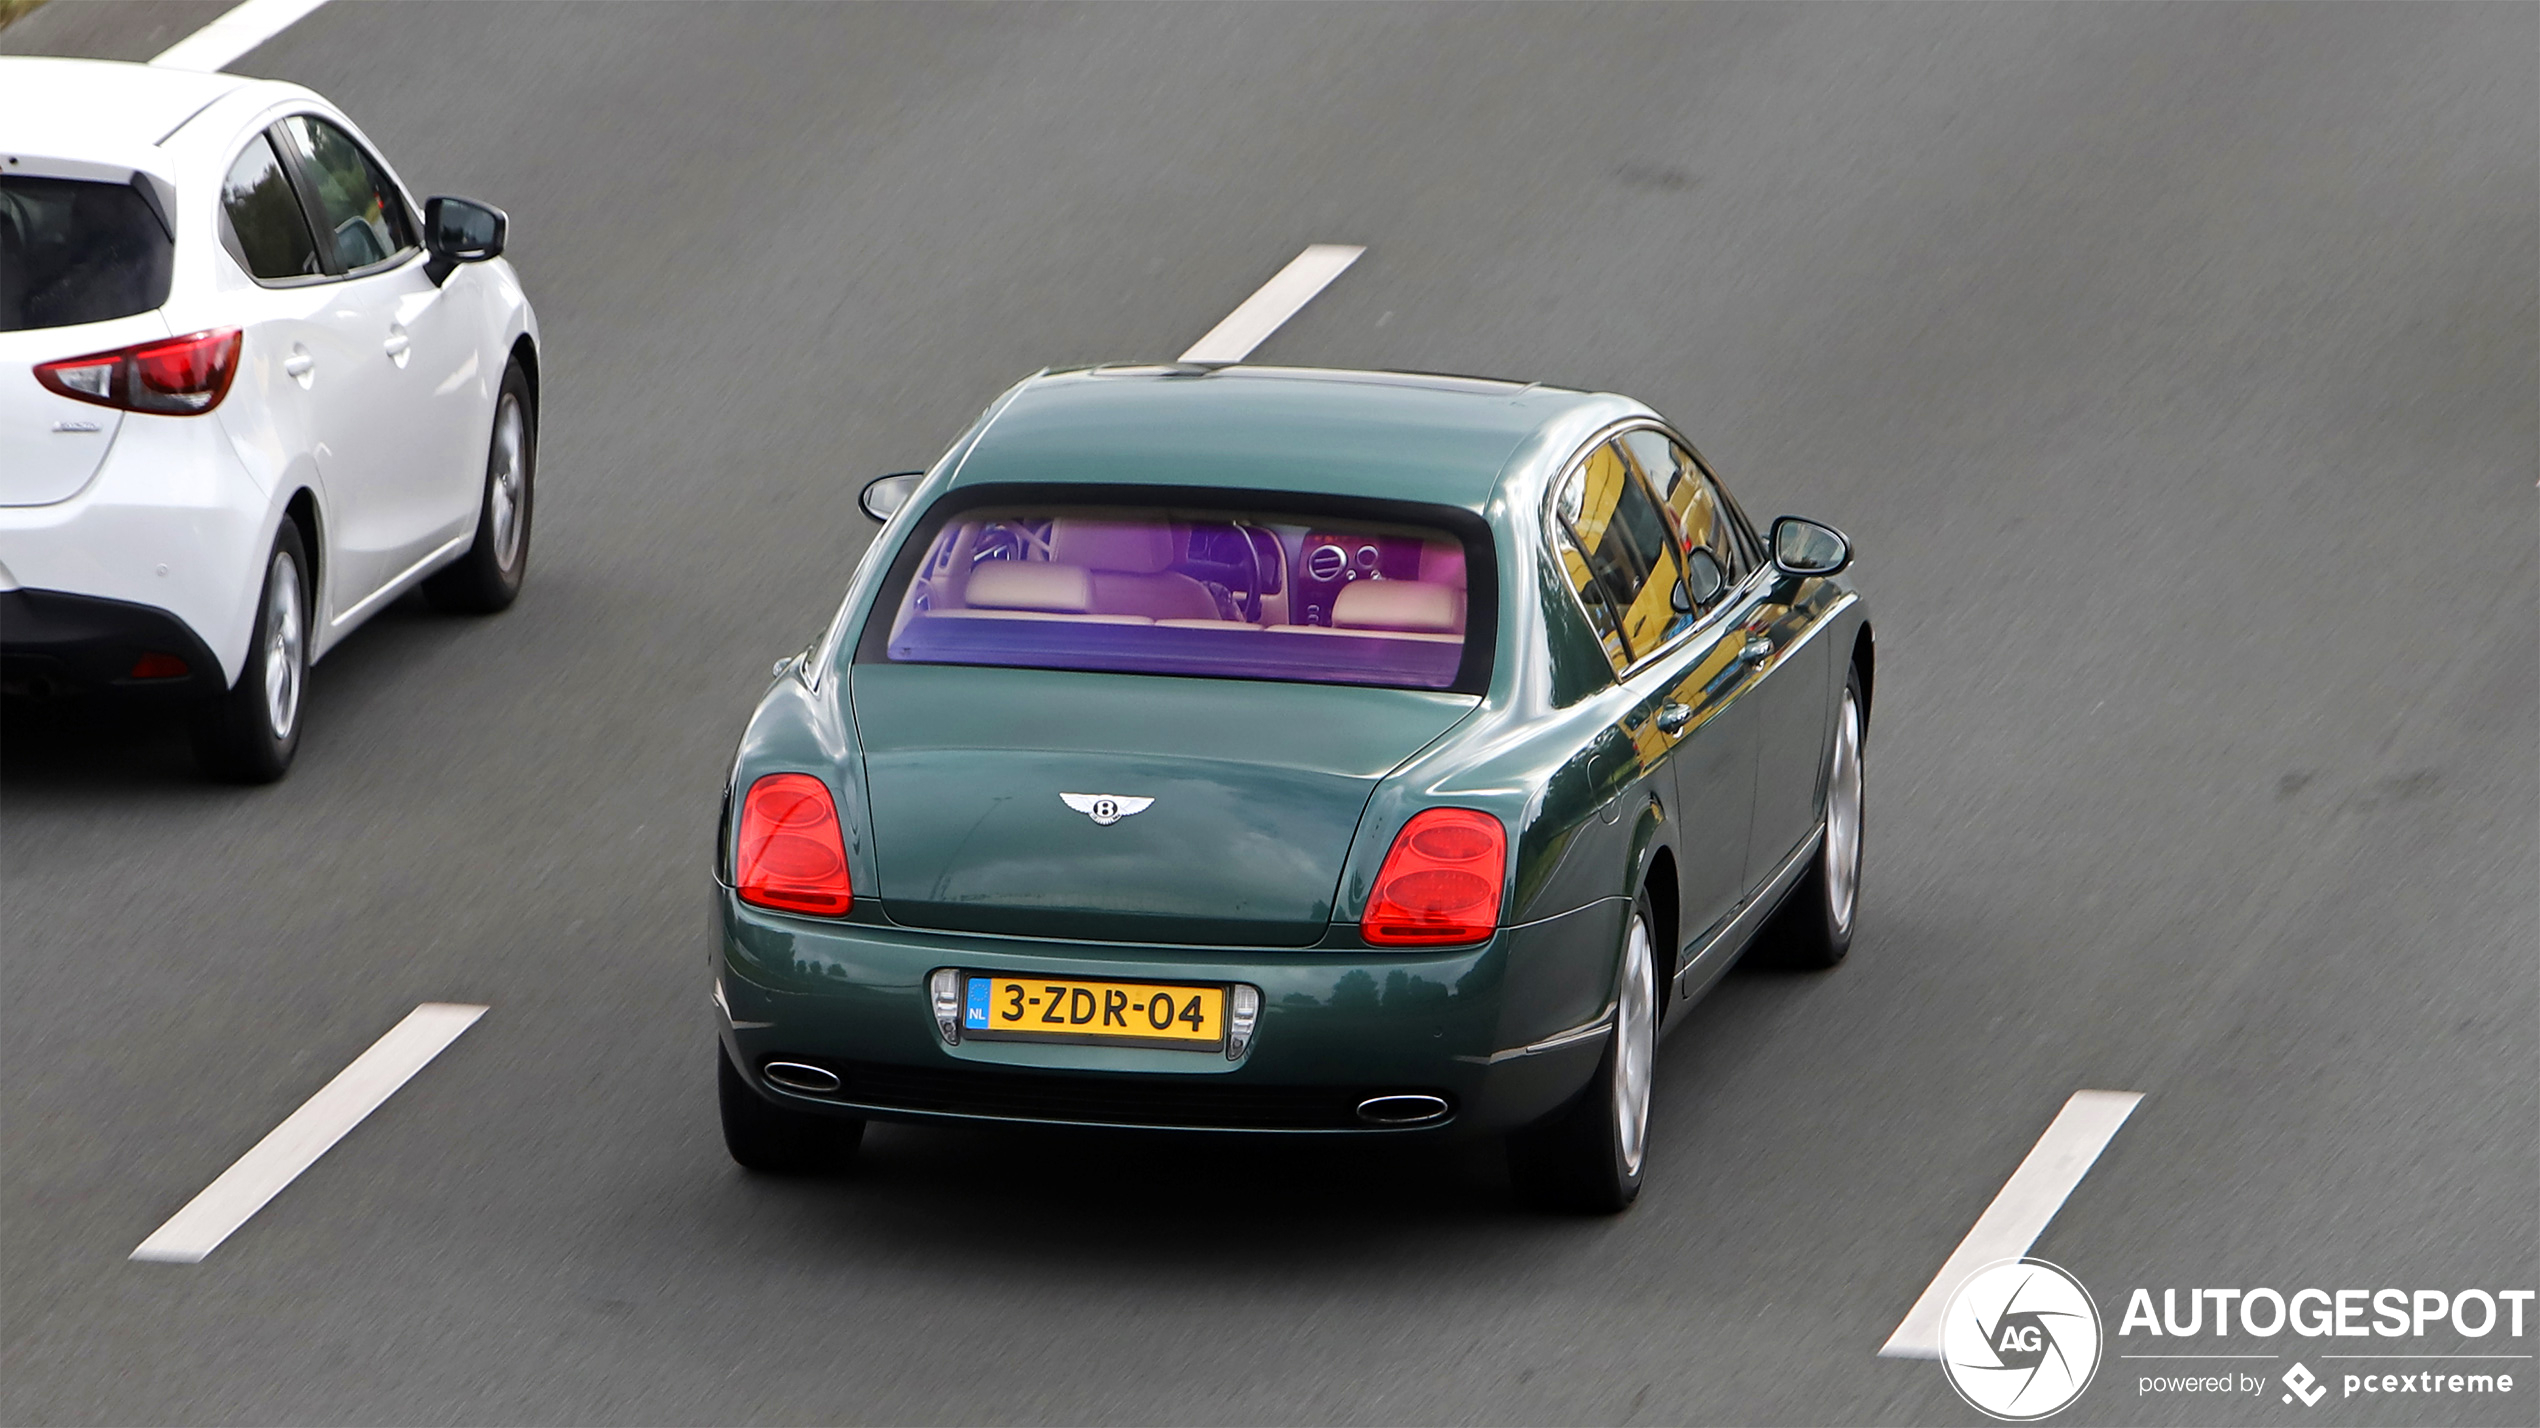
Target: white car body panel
{"x":50,"y":445}
{"x":178,"y":512}
{"x":171,"y":521}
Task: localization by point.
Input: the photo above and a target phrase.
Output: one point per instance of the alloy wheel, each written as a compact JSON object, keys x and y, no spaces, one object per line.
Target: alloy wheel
{"x":1635,"y":1047}
{"x":284,"y":639}
{"x":507,"y":482}
{"x":1843,"y":816}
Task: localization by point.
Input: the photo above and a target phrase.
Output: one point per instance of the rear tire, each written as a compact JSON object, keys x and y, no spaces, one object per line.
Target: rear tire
{"x":1813,"y":929}
{"x":488,"y":577}
{"x":249,"y":734}
{"x":773,"y":1140}
{"x":1587,"y":1158}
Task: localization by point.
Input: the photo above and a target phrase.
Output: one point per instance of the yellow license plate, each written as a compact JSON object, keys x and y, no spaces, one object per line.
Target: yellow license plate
{"x":1066,"y":1009}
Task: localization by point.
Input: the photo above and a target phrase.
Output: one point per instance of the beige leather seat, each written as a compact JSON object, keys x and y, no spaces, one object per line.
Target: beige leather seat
{"x":1130,"y":565}
{"x":1431,"y":607}
{"x":1030,"y":585}
{"x":1032,"y":590}
{"x":1418,"y":607}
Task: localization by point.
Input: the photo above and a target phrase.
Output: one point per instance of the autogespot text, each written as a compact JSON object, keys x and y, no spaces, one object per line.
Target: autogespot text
{"x":2456,"y":1363}
{"x":2329,"y":1313}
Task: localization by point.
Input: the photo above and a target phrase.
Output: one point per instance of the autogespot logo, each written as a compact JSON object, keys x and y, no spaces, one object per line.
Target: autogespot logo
{"x":2020,"y":1340}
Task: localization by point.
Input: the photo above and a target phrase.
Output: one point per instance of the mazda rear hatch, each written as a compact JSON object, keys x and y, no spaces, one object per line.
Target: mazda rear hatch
{"x":84,"y":268}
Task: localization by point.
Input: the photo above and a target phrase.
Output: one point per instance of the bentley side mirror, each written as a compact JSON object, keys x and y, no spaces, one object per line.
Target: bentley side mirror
{"x":461,"y":230}
{"x":1704,"y":580}
{"x":884,"y":495}
{"x":1805,"y":548}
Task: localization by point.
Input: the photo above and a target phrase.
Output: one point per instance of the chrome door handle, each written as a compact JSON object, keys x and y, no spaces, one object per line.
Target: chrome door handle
{"x":1672,"y":717}
{"x":298,"y":364}
{"x":1756,"y":651}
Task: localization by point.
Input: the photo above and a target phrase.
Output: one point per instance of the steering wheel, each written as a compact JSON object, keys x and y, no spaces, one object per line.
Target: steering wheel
{"x":1251,"y":599}
{"x":1008,"y":540}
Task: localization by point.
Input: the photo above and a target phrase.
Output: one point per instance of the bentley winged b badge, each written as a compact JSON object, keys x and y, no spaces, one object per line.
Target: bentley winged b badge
{"x":1105,"y":808}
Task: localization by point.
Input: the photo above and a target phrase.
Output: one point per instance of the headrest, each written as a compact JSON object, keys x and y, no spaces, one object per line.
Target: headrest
{"x":1030,"y":585}
{"x":1442,"y":563}
{"x":1138,"y":547}
{"x":1398,"y":605}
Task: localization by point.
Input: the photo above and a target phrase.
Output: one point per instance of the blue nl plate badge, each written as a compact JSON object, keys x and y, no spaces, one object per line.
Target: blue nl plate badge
{"x":975,"y":1016}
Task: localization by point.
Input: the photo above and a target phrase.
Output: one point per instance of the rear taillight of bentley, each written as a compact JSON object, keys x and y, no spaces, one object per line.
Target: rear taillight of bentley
{"x":1441,"y":883}
{"x":790,"y":855}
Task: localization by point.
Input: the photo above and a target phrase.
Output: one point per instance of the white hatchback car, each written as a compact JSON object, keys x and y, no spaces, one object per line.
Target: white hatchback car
{"x":247,"y":396}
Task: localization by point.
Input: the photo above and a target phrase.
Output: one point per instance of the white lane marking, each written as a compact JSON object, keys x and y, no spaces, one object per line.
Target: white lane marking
{"x":1262,"y":313}
{"x":308,"y":1133}
{"x":222,"y":41}
{"x":2012,"y":1223}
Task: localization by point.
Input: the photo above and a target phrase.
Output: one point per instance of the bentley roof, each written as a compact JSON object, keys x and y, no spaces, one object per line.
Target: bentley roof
{"x":1392,"y":435}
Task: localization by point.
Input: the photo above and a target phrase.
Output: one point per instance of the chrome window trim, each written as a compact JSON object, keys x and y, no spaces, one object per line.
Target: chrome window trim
{"x":1735,"y":597}
{"x":1756,"y":549}
{"x":1735,"y":600}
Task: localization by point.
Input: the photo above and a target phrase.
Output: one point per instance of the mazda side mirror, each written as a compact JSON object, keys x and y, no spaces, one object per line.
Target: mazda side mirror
{"x":884,"y":495}
{"x":461,"y":230}
{"x":1806,"y":549}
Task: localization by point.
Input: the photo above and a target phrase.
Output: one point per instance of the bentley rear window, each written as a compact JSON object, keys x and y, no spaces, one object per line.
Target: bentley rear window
{"x":1223,"y":593}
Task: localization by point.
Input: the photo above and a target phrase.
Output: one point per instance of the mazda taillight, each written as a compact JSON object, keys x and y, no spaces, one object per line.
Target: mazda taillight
{"x":1441,"y":882}
{"x":790,"y":855}
{"x":175,"y":376}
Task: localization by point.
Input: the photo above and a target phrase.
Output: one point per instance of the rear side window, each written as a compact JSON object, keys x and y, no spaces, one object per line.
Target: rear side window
{"x":365,"y":217}
{"x":265,"y":220}
{"x":1620,"y":556}
{"x":74,"y":251}
{"x":1701,"y":511}
{"x":1216,"y":592}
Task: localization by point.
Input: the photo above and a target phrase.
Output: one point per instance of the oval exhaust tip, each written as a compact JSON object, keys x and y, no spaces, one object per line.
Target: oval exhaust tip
{"x":795,"y":1076}
{"x":1409,"y":1109}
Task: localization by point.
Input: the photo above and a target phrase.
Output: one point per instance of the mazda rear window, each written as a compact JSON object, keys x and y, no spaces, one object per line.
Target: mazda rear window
{"x":1225,"y":593}
{"x":75,"y":250}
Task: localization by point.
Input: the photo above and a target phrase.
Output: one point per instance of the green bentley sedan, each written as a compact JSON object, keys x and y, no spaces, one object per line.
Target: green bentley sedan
{"x":1288,"y":751}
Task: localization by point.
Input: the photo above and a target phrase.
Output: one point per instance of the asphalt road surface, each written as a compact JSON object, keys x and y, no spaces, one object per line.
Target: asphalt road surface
{"x":2173,"y":368}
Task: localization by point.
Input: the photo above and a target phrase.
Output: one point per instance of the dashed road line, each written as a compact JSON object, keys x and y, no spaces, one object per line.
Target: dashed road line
{"x":309,"y":1132}
{"x":1280,"y":298}
{"x":2019,"y":1214}
{"x":218,"y":44}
